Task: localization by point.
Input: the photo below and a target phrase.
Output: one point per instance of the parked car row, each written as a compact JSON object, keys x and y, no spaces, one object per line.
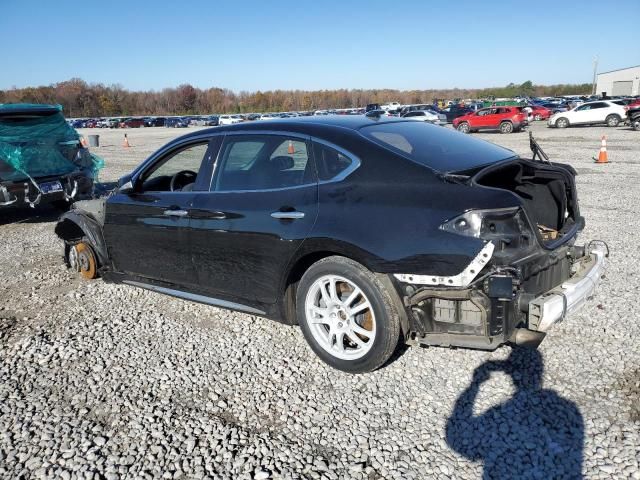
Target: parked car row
{"x":504,"y":115}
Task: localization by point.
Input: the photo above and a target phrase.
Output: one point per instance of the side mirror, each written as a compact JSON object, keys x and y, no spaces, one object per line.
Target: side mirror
{"x":125,"y":184}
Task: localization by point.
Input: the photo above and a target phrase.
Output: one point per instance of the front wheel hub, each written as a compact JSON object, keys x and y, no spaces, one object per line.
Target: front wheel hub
{"x":83,"y":260}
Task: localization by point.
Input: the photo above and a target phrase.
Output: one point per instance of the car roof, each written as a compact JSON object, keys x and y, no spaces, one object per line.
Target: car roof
{"x":11,"y":109}
{"x":349,"y":122}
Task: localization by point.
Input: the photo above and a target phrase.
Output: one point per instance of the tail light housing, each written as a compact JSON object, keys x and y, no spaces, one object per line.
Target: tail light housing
{"x":505,"y":227}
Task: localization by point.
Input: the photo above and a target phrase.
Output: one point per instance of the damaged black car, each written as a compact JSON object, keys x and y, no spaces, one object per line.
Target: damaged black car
{"x":364,"y":231}
{"x":42,"y":159}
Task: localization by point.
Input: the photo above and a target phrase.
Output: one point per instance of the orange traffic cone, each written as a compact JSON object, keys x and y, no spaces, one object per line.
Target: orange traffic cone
{"x":290,"y":150}
{"x":602,"y":156}
{"x":83,"y":142}
{"x":126,"y":141}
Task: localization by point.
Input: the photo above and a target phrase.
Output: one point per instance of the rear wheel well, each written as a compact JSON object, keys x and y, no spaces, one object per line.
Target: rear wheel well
{"x":291,"y":283}
{"x":302,"y":265}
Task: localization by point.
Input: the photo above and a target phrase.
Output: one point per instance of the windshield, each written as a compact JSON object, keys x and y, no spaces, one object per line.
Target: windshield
{"x":436,"y":147}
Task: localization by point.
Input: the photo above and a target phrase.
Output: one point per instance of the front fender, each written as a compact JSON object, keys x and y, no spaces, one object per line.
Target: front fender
{"x":77,"y":224}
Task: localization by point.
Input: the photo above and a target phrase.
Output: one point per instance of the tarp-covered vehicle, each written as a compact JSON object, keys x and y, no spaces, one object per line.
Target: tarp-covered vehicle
{"x":42,"y":159}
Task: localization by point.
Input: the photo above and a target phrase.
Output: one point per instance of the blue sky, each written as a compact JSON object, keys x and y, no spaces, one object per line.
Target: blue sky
{"x":262,"y":45}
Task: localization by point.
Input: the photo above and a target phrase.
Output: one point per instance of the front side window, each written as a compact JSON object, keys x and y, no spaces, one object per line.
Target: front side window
{"x":176,"y":170}
{"x":262,"y":162}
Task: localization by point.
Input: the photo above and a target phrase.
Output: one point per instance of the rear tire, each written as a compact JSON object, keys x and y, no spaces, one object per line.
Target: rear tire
{"x":464,"y":127}
{"x":347,"y":315}
{"x":538,"y":117}
{"x":613,"y":121}
{"x":506,"y":127}
{"x":636,"y":125}
{"x":562,"y":122}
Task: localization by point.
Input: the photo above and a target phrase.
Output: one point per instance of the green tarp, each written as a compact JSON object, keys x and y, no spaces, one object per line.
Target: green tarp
{"x":36,"y":141}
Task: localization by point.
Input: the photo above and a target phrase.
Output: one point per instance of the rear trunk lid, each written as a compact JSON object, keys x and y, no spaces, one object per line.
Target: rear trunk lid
{"x":546,"y":191}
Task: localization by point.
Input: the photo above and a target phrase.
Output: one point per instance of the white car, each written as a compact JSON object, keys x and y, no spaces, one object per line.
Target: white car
{"x":590,"y":113}
{"x":229,"y":119}
{"x":269,"y":116}
{"x":391,"y":106}
{"x":426,"y":116}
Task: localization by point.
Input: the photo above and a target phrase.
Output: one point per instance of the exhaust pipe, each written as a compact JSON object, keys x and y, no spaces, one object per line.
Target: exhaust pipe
{"x":527,"y":338}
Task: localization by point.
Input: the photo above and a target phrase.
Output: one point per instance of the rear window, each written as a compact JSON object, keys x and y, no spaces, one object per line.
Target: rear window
{"x":439,"y":148}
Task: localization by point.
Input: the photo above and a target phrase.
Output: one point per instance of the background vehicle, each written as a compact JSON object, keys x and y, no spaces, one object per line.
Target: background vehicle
{"x":539,"y":112}
{"x":590,"y":113}
{"x":555,"y":107}
{"x":211,"y":121}
{"x":269,"y":116}
{"x":275,"y":218}
{"x":633,"y":117}
{"x":154,"y":121}
{"x":504,"y":119}
{"x":41,"y":158}
{"x":391,"y":106}
{"x":454,"y":111}
{"x":176,"y":122}
{"x":132,"y":123}
{"x":427,"y":116}
{"x":229,"y":119}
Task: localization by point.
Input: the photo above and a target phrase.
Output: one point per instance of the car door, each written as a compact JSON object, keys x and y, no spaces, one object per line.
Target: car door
{"x":599,"y":112}
{"x":146,"y":226}
{"x":262,"y":204}
{"x":582,"y":114}
{"x":482,"y":118}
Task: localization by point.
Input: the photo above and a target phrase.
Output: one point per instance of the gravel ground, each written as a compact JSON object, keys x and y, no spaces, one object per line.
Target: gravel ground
{"x":105,"y":381}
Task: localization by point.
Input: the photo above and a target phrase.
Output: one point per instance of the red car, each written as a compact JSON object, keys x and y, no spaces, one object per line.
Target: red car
{"x":540,"y":112}
{"x":132,"y":123}
{"x":504,"y":119}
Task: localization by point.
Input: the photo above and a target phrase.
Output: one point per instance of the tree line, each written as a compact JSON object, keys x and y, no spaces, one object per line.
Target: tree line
{"x":81,"y":99}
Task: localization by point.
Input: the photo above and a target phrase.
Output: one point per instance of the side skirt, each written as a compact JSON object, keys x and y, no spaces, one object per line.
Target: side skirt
{"x":194,"y":297}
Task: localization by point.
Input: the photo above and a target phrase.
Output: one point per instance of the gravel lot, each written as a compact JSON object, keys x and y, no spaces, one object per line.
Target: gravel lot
{"x":104,"y":381}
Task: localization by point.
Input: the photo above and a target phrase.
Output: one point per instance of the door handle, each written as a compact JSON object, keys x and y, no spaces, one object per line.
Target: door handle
{"x":176,"y":213}
{"x":287,"y":215}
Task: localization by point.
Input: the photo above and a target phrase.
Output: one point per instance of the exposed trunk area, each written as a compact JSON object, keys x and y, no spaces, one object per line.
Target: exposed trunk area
{"x":547,"y":192}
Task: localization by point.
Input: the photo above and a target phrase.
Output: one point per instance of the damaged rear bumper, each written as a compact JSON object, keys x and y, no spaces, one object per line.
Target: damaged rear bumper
{"x":517,"y":303}
{"x":566,"y":299}
{"x":32,"y":192}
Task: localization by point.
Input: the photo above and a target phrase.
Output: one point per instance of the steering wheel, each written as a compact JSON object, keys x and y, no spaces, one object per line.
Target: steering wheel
{"x":185,"y":176}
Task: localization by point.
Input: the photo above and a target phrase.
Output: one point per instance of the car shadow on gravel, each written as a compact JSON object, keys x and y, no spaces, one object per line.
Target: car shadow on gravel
{"x":40,"y":214}
{"x":535,"y":434}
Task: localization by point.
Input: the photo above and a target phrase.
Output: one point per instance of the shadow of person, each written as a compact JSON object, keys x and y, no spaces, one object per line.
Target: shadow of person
{"x":536,"y":434}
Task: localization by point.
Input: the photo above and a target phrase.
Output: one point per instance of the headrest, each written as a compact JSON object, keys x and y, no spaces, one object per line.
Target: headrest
{"x":282,"y":162}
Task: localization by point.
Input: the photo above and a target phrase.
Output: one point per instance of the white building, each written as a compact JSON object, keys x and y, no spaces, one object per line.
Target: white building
{"x":625,"y":81}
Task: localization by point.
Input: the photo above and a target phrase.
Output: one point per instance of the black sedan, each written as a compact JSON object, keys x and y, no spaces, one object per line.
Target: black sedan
{"x":365,"y":231}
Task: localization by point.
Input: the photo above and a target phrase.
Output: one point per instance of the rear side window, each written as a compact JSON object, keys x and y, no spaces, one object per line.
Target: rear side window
{"x":329,"y":161}
{"x":441,"y":149}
